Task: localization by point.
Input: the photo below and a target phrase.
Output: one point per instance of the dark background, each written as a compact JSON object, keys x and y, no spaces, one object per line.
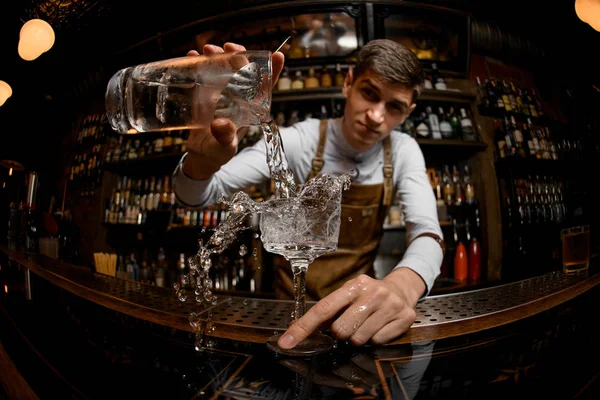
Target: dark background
{"x":92,"y":34}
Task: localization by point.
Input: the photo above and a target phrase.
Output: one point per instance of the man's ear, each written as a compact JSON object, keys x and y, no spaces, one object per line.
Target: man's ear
{"x":348,"y":82}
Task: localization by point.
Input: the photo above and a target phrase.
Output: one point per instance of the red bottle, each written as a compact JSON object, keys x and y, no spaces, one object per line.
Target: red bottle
{"x":474,"y":260}
{"x":460,"y":263}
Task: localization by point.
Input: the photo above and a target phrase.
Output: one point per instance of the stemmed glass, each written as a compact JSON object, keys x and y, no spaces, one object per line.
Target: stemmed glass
{"x":302,"y":229}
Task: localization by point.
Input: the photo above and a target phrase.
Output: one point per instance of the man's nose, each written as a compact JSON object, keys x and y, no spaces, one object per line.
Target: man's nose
{"x":376,"y":113}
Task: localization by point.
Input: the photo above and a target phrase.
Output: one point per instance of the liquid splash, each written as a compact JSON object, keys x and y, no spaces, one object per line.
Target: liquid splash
{"x":322,"y":188}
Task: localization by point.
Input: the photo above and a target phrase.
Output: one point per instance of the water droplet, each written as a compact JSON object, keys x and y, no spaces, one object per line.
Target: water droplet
{"x":256,"y":235}
{"x":243,"y":250}
{"x":335,"y":344}
{"x":349,"y":219}
{"x":246,"y":302}
{"x":182,"y":296}
{"x":255,"y":252}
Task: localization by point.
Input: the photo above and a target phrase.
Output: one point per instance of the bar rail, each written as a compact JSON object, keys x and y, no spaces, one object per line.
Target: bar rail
{"x":254,"y":320}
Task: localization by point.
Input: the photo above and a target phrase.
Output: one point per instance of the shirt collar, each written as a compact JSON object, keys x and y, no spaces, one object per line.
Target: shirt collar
{"x":344,"y":148}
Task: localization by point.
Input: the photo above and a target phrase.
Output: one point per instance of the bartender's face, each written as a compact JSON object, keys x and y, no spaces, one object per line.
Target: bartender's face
{"x":373,"y":109}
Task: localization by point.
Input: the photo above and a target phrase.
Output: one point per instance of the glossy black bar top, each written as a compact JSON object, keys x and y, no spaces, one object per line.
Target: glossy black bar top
{"x":66,"y":345}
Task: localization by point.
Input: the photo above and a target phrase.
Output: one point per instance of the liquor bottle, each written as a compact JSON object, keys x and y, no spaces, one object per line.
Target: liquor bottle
{"x":324,"y":114}
{"x":442,"y":209}
{"x":461,"y":265}
{"x":427,"y":82}
{"x":326,"y":80}
{"x":455,"y":122}
{"x":518,"y":136}
{"x":449,"y":187}
{"x":523,"y":109}
{"x":500,"y":139}
{"x":167,"y":142}
{"x":177,"y":141}
{"x":529,"y":138}
{"x":434,"y":123}
{"x":339,"y":76}
{"x":469,"y":187}
{"x":511,"y":96}
{"x":511,"y":149}
{"x":503,"y":90}
{"x":490,"y":93}
{"x":164,"y":198}
{"x":436,"y":78}
{"x":339,"y":111}
{"x":538,"y":103}
{"x":445,"y":125}
{"x":280,"y":119}
{"x":422,"y":128}
{"x":409,"y":127}
{"x":482,"y":94}
{"x":521,"y":210}
{"x":311,"y":81}
{"x":294,"y":118}
{"x":531,"y":104}
{"x":459,"y":189}
{"x":466,"y":125}
{"x":474,"y":254}
{"x":298,"y":82}
{"x":157,"y":195}
{"x":284,"y":82}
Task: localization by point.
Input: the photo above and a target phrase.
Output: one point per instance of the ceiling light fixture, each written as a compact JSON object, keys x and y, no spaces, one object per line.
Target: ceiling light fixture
{"x":36,"y":38}
{"x":5,"y":92}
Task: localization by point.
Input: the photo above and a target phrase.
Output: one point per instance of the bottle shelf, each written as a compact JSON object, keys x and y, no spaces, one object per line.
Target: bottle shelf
{"x":471,"y":144}
{"x":149,"y":165}
{"x":280,"y":96}
{"x":336,"y":94}
{"x":448,"y":95}
{"x":522,"y":118}
{"x":450,"y":150}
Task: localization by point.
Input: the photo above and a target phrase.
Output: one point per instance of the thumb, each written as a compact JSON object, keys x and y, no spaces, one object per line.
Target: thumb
{"x":223,"y":131}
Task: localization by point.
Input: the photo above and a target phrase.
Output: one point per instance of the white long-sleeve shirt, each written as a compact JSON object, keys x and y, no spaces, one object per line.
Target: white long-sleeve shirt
{"x":249,"y":166}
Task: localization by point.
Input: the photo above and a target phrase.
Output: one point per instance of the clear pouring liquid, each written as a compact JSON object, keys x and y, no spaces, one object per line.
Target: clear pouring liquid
{"x":189,"y":92}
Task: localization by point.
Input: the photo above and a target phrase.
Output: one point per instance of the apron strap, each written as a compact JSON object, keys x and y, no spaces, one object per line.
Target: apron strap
{"x":388,"y":168}
{"x":317,"y":162}
{"x":388,"y":172}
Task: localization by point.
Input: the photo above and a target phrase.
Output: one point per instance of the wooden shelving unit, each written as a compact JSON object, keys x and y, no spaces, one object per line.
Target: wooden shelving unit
{"x":336,"y":93}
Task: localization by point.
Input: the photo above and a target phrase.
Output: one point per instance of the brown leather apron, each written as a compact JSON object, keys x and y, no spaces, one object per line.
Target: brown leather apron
{"x":364,"y":208}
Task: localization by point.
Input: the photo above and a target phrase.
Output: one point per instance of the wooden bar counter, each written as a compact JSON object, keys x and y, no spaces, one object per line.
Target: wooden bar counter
{"x":69,"y":332}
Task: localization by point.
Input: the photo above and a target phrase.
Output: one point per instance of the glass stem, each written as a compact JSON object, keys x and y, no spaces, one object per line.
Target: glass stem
{"x":299,"y":268}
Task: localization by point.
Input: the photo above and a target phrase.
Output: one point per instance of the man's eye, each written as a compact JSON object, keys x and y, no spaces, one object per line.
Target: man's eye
{"x":369,"y":94}
{"x":395,"y":108}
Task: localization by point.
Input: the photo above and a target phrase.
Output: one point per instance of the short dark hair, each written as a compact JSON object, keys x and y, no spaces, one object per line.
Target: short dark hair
{"x":392,"y":62}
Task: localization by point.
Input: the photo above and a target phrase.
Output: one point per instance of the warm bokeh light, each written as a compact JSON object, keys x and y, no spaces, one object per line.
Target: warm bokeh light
{"x":10,"y":171}
{"x":36,"y":37}
{"x":5,"y":92}
{"x":589,"y":11}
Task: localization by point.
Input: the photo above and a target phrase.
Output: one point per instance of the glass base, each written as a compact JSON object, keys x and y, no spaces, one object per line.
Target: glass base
{"x":316,"y":343}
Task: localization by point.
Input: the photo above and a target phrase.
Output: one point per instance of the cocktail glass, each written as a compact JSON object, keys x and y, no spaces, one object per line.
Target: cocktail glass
{"x":302,"y":229}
